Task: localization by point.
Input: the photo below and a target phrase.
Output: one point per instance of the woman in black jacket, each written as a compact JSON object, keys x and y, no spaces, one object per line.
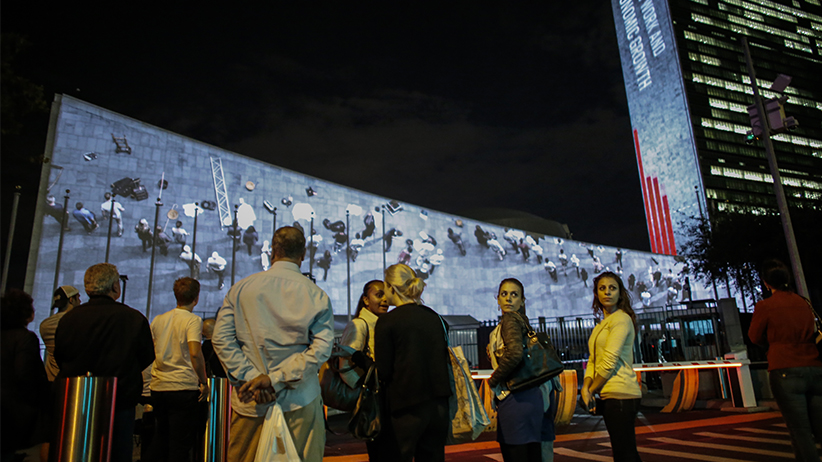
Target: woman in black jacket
{"x":522,"y":423}
{"x":413,"y":363}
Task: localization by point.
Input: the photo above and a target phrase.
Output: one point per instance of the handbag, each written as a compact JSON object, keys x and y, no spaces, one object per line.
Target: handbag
{"x":465,"y":408}
{"x":335,"y":392}
{"x":275,"y":443}
{"x":818,"y":324}
{"x":540,"y":361}
{"x":365,"y":420}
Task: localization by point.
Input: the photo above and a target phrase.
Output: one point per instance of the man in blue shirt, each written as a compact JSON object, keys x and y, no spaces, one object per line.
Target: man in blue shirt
{"x":85,"y":217}
{"x":282,"y":316}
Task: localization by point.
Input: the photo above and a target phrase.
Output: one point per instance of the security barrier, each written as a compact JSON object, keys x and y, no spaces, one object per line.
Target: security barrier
{"x":84,"y":418}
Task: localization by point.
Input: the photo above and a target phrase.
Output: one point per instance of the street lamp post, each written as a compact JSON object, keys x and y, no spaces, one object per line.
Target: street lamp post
{"x":60,"y":243}
{"x":781,"y":202}
{"x":234,"y":245}
{"x":157,"y":206}
{"x":194,"y":239}
{"x":348,"y":261}
{"x":7,"y":261}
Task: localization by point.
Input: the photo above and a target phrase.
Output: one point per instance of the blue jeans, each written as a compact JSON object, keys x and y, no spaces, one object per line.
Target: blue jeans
{"x":798,"y":392}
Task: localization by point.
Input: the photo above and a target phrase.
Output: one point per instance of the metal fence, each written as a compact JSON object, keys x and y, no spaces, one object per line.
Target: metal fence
{"x":681,"y":332}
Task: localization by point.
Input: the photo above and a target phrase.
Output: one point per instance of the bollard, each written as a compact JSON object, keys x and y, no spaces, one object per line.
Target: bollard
{"x":84,"y":419}
{"x":215,"y":443}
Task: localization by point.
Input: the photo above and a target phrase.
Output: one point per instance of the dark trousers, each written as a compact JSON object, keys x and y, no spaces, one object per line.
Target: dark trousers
{"x":531,"y":452}
{"x":122,"y":437}
{"x":177,"y":421}
{"x":620,"y":419}
{"x":798,"y":392}
{"x":421,"y":431}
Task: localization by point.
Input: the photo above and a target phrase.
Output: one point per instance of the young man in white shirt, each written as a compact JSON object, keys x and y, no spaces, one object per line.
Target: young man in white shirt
{"x":178,"y":379}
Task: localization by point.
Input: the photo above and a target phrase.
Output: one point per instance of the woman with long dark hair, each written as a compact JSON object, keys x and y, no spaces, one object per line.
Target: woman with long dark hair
{"x":522,"y":420}
{"x":610,"y":370}
{"x":784,"y":323}
{"x":359,"y":337}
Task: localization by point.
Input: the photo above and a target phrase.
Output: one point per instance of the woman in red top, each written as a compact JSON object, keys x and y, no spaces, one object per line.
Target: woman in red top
{"x":784,"y":323}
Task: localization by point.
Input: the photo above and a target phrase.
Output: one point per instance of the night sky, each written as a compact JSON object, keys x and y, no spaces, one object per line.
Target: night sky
{"x":451,"y":107}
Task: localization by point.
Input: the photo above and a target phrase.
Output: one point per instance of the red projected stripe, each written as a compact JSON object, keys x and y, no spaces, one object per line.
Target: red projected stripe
{"x":656,"y":238}
{"x":644,"y":190}
{"x":669,"y":227}
{"x":660,"y":222}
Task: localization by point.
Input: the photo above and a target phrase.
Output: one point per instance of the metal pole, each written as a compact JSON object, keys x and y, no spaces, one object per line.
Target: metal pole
{"x":157,"y":206}
{"x":348,"y":261}
{"x":124,"y":280}
{"x":60,"y":244}
{"x":110,"y":220}
{"x":274,"y":231}
{"x":194,"y":239}
{"x":7,"y":261}
{"x":234,"y":246}
{"x":781,"y":202}
{"x":310,"y":250}
{"x":384,"y":266}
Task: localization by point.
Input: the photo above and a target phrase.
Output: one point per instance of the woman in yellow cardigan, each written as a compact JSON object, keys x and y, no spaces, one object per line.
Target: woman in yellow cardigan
{"x":610,"y":365}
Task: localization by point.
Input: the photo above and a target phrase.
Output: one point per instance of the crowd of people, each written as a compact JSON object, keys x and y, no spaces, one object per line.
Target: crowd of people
{"x":275,"y":329}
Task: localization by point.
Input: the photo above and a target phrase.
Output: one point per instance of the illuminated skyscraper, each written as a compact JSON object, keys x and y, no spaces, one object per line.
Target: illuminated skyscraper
{"x":688,"y":90}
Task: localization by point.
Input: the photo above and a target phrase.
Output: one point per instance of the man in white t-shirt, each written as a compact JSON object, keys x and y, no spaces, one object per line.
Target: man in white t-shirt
{"x":178,"y":379}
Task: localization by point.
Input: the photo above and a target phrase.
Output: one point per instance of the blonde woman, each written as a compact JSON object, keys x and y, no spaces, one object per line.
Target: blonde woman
{"x":412,"y":360}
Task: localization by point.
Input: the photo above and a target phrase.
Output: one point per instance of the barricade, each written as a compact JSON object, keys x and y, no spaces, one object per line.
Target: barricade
{"x":84,"y":418}
{"x":215,"y":443}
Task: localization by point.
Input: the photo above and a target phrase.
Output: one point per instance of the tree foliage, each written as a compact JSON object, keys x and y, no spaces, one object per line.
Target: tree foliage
{"x":19,"y":97}
{"x":730,"y":247}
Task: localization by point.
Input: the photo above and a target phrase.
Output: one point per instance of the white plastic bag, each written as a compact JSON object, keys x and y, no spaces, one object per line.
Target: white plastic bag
{"x":276,"y":444}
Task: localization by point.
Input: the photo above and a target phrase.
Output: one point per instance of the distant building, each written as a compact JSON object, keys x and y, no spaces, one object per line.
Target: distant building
{"x":688,"y":90}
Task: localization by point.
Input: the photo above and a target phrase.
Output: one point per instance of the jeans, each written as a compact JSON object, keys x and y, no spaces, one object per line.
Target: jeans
{"x":178,"y":421}
{"x":620,"y":419}
{"x":798,"y":392}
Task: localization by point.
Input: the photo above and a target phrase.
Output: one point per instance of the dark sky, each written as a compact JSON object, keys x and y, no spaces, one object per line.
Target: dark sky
{"x":451,"y":107}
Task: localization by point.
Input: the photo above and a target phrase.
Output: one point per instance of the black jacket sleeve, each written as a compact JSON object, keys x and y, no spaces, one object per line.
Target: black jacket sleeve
{"x":512,"y":335}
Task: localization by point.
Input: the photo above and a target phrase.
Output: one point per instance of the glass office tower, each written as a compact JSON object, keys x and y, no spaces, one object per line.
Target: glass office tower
{"x":688,"y":91}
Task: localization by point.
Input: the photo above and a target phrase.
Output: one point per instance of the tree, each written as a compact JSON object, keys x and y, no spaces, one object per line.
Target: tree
{"x":19,"y":97}
{"x":728,"y":250}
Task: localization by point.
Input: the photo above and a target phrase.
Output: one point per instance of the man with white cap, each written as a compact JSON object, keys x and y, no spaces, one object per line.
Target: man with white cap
{"x":192,"y":260}
{"x":65,"y":298}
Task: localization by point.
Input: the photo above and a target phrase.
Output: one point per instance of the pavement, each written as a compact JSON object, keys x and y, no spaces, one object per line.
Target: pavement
{"x":704,"y":435}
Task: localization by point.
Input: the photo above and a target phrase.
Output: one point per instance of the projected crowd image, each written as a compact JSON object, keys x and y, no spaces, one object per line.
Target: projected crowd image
{"x":348,"y":232}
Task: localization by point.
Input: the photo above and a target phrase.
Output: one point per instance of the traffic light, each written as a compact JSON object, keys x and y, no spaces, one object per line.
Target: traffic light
{"x":757,"y":129}
{"x":775,"y":122}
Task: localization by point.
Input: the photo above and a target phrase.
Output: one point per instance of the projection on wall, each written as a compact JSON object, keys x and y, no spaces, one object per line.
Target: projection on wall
{"x":461,"y":260}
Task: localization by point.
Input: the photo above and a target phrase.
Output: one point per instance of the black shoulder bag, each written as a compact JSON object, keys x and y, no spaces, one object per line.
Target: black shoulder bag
{"x":540,"y":361}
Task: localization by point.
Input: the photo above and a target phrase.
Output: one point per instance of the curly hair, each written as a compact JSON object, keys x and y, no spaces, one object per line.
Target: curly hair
{"x":16,"y":309}
{"x":100,"y":278}
{"x":624,"y":302}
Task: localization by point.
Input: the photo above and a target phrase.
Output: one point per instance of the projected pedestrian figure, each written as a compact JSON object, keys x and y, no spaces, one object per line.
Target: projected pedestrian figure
{"x":482,"y":236}
{"x":217,"y":264}
{"x":115,"y":214}
{"x":85,"y":217}
{"x":245,"y":215}
{"x":143,"y":231}
{"x":179,"y":233}
{"x":370,"y":226}
{"x":192,"y":260}
{"x":456,"y":238}
{"x":55,"y":210}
